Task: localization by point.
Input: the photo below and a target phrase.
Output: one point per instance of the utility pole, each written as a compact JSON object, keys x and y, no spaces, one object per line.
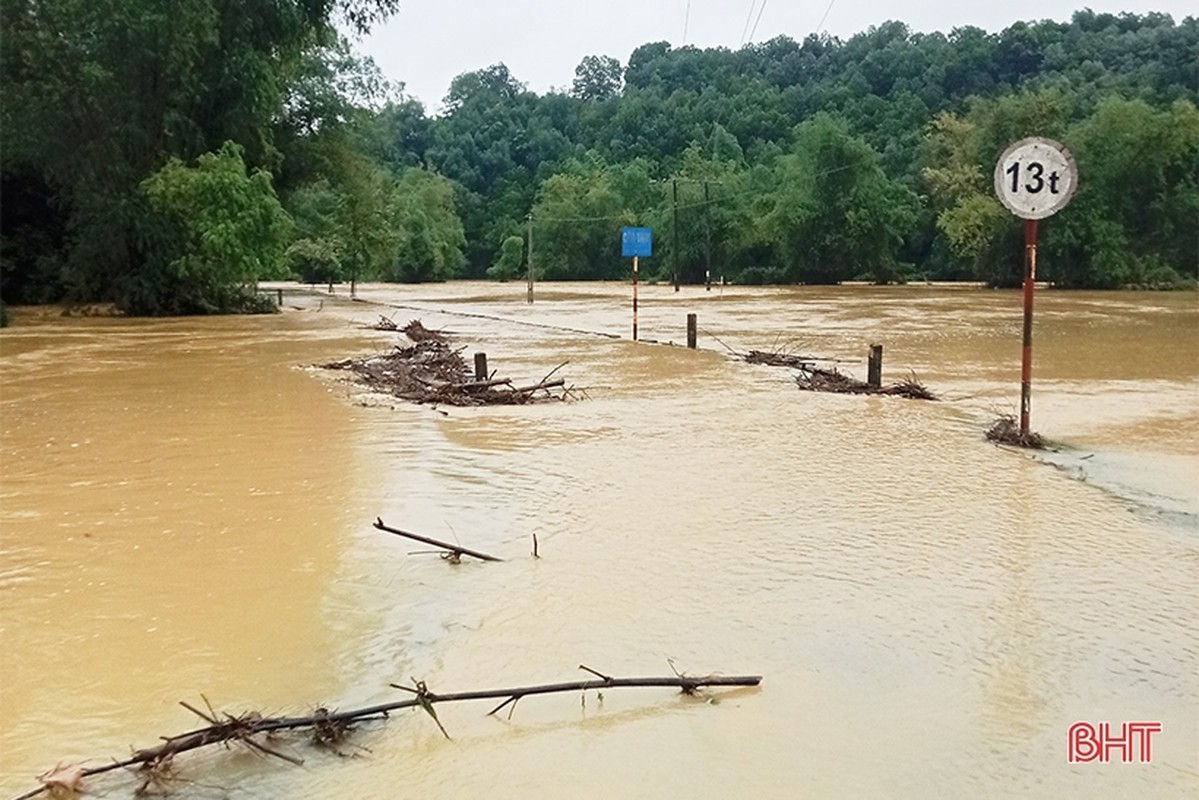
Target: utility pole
{"x":675,"y":250}
{"x":707,"y":240}
{"x":530,"y":273}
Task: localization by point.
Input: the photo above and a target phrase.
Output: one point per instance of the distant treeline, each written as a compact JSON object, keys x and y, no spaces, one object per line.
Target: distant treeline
{"x":165,"y":154}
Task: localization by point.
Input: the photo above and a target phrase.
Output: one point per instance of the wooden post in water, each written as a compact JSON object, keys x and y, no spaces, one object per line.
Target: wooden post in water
{"x":692,"y":326}
{"x":480,"y":366}
{"x":874,"y":368}
{"x":280,"y":298}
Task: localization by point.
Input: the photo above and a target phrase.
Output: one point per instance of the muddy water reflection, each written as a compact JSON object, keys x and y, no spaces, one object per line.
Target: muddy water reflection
{"x":187,"y":510}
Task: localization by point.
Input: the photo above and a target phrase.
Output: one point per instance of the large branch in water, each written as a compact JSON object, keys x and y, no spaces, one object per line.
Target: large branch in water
{"x":453,"y":549}
{"x":331,"y":726}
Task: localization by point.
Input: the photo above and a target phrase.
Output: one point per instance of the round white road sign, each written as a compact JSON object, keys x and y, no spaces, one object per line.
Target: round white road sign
{"x":1035,"y":178}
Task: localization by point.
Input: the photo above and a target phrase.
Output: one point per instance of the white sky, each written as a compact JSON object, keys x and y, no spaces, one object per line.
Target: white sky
{"x":429,"y":42}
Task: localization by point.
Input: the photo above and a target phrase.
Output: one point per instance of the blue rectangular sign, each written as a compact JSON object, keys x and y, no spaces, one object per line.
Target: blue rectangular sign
{"x":636,"y":242}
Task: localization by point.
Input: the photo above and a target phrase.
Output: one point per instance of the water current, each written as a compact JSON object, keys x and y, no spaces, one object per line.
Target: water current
{"x":185,"y":513}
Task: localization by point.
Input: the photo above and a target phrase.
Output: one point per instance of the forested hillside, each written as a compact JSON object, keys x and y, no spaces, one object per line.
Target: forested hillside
{"x":164,"y":155}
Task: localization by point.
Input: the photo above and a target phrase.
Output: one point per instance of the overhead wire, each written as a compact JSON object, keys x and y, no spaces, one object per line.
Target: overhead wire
{"x":820,"y":25}
{"x":748,"y":17}
{"x":756,"y":21}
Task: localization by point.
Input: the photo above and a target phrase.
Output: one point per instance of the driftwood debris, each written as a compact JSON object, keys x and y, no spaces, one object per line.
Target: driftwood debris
{"x":385,"y":324}
{"x":777,"y":358}
{"x":812,"y":378}
{"x":431,"y":371}
{"x":417,"y":332}
{"x":453,"y":552}
{"x":331,"y":727}
{"x":815,"y":379}
{"x":1007,"y":431}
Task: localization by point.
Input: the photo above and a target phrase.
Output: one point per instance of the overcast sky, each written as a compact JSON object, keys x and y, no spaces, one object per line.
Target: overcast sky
{"x":542,"y":41}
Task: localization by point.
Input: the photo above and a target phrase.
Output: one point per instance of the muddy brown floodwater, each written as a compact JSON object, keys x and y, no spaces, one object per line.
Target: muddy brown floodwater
{"x":186,"y":511}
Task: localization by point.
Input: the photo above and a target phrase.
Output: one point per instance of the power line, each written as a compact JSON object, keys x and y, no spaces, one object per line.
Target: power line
{"x":748,"y":17}
{"x":820,"y":25}
{"x":756,"y":21}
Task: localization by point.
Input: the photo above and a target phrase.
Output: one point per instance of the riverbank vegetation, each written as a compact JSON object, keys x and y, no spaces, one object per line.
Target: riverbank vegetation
{"x":164,"y":156}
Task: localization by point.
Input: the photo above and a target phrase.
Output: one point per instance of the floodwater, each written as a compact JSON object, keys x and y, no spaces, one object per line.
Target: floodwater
{"x":186,"y":514}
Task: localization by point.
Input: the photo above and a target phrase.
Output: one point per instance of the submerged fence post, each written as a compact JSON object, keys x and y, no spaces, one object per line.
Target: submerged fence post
{"x":692,"y":325}
{"x":874,"y":369}
{"x":480,"y":366}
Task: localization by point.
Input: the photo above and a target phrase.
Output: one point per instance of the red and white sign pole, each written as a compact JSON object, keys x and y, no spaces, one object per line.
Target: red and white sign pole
{"x":634,"y":298}
{"x":1034,"y":179}
{"x":1030,"y":281}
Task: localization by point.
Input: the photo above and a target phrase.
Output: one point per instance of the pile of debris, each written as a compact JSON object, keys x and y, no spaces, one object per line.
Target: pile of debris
{"x":1007,"y":431}
{"x":814,"y":379}
{"x":431,"y":371}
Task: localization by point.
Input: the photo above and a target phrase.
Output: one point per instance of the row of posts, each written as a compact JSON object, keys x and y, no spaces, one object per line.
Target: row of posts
{"x":874,"y":363}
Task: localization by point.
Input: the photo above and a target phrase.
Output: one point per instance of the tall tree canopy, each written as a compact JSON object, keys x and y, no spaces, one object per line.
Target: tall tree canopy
{"x":800,"y":161}
{"x":101,"y":94}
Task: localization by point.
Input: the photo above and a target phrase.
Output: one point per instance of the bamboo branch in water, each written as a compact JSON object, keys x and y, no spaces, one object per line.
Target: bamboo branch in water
{"x":453,"y":549}
{"x":331,"y":726}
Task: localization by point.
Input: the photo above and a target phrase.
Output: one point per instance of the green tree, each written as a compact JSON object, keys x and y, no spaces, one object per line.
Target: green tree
{"x":431,"y":239}
{"x":213,"y":231}
{"x":597,"y":78}
{"x":1135,"y":219}
{"x":578,"y":217}
{"x":99,"y":96}
{"x":511,"y":263}
{"x":960,"y":156}
{"x":835,"y":216}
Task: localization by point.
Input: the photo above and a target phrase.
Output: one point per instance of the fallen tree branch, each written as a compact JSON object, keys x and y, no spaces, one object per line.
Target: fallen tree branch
{"x":326,"y":724}
{"x":542,"y":385}
{"x":454,"y":550}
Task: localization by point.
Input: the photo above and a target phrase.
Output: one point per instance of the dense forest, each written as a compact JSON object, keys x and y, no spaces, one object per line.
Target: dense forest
{"x":164,"y":155}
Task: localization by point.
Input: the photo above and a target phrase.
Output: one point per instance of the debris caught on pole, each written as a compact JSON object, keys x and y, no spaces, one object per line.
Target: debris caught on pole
{"x":431,"y":371}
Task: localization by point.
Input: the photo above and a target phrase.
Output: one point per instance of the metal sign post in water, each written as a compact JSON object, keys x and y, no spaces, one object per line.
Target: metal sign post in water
{"x":636,"y":242}
{"x":1034,"y":179}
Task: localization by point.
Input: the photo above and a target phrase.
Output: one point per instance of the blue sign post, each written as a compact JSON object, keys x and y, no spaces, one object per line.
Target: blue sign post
{"x":636,"y":242}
